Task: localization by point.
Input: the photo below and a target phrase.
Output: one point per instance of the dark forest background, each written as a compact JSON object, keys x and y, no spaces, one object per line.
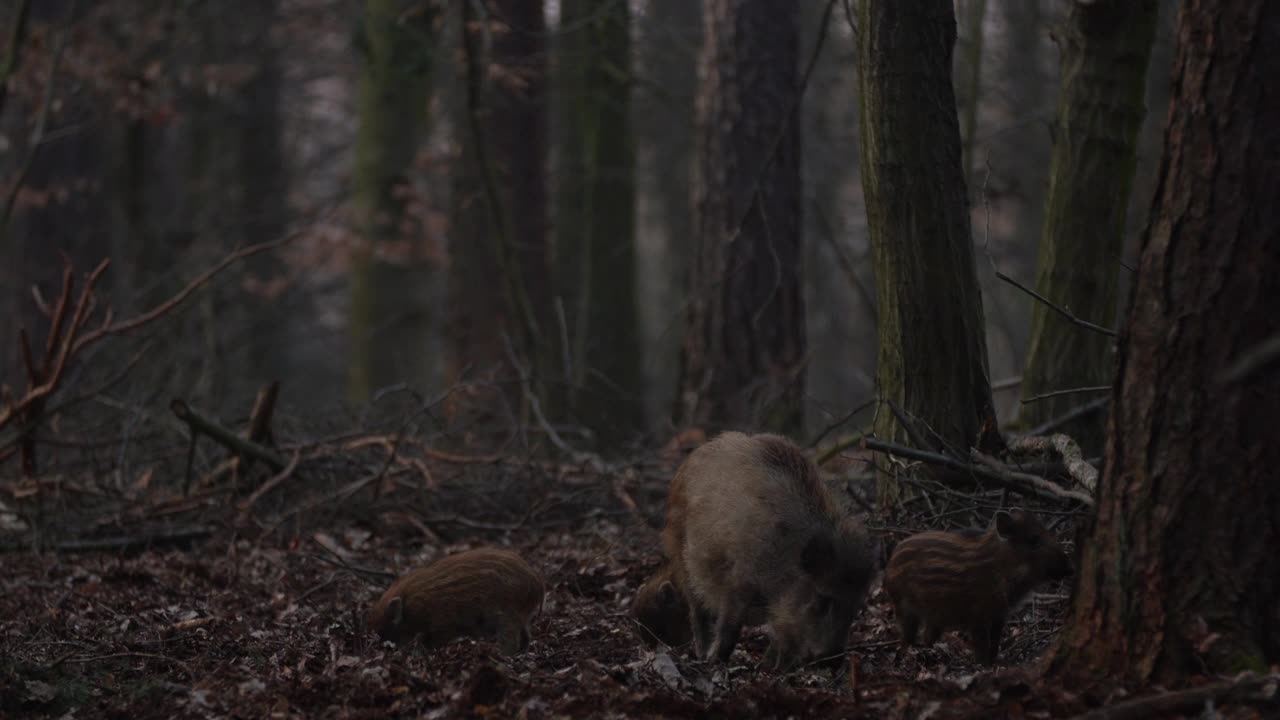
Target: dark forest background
{"x":528,"y":197}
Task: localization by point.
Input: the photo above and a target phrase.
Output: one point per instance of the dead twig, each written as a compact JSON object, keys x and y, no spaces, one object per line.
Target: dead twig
{"x":1069,"y":391}
{"x":200,"y":423}
{"x":338,"y":562}
{"x":66,"y":341}
{"x":1076,"y":413}
{"x":986,"y":248}
{"x":839,"y":446}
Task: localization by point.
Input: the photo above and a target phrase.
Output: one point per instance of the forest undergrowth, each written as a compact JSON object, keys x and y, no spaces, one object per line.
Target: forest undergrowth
{"x":222,"y":586}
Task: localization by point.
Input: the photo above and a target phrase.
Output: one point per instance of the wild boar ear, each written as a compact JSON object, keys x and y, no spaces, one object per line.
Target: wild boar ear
{"x":818,"y":555}
{"x":395,"y":609}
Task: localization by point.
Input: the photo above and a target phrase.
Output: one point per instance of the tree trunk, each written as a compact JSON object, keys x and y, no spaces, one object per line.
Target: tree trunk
{"x":742,"y":364}
{"x":595,"y":239}
{"x":391,"y":323}
{"x":670,"y":38}
{"x":264,"y":201}
{"x":1105,"y":49}
{"x":933,"y":357}
{"x":499,"y":261}
{"x":1180,"y":573}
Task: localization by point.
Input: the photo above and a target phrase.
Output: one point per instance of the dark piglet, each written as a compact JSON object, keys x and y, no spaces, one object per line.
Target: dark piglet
{"x":971,"y":580}
{"x":660,"y":609}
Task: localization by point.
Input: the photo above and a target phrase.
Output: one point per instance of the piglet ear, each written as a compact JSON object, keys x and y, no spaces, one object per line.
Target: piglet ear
{"x":1005,"y":524}
{"x":395,"y":609}
{"x":667,"y":592}
{"x":818,"y":555}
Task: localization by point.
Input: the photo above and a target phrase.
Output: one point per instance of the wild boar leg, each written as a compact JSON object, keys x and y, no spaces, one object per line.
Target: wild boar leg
{"x":932,"y":633}
{"x":510,"y":635}
{"x":778,"y":656}
{"x":700,"y":622}
{"x":910,"y":626}
{"x":997,"y":628}
{"x":981,"y":634}
{"x":728,"y":626}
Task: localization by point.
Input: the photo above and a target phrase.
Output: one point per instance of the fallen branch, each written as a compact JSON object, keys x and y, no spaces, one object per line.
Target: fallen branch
{"x":1252,"y":690}
{"x":264,"y":405}
{"x":1079,"y":469}
{"x":273,"y":481}
{"x":229,"y":439}
{"x":1021,"y":482}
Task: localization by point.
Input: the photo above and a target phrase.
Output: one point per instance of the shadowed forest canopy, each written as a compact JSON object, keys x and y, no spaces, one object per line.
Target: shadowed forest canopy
{"x":302,"y":297}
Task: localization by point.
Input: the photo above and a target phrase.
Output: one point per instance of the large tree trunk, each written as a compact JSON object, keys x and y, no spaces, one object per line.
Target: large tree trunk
{"x":933,"y":357}
{"x":391,"y":322}
{"x":595,"y":239}
{"x":1105,"y":49}
{"x":742,"y":363}
{"x":1180,"y":573}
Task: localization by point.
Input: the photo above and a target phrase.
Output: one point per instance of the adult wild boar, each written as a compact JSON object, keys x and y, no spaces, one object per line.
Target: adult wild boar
{"x":750,"y":522}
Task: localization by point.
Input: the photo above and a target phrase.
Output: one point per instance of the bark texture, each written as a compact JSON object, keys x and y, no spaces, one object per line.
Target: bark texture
{"x":1105,"y":50}
{"x":933,"y":356}
{"x":742,"y":361}
{"x":1180,"y":573}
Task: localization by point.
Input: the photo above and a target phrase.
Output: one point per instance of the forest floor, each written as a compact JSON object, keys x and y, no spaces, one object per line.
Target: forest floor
{"x":254,"y":619}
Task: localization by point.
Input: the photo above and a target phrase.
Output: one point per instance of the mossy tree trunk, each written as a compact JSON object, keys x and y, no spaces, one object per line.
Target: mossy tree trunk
{"x":969,"y":76}
{"x":1105,"y":49}
{"x":595,"y":238}
{"x":933,"y":357}
{"x":391,"y":322}
{"x":1180,"y":574}
{"x":742,"y":364}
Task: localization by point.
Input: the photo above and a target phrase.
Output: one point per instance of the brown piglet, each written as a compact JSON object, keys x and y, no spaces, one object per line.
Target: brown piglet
{"x":971,"y":579}
{"x":487,"y":593}
{"x":750,"y":523}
